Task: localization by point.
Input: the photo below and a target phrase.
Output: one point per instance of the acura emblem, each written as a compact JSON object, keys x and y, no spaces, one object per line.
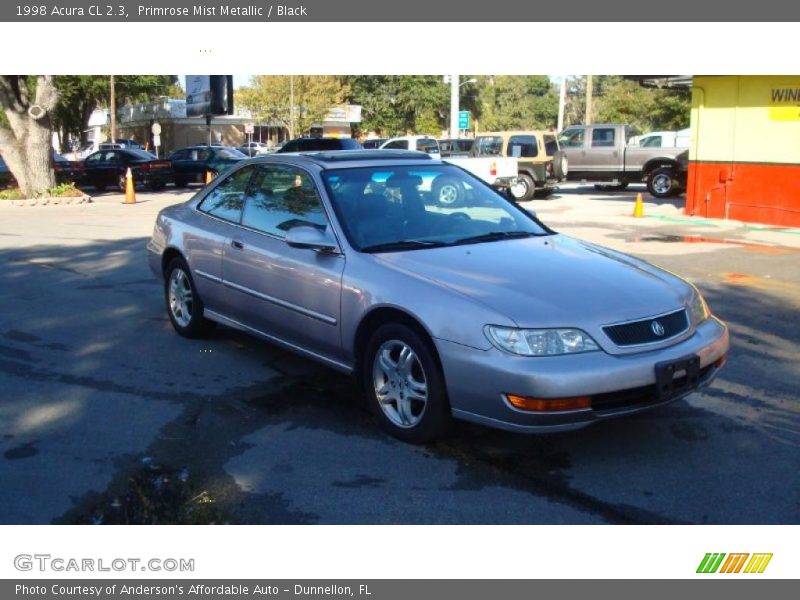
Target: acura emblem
{"x":657,"y":328}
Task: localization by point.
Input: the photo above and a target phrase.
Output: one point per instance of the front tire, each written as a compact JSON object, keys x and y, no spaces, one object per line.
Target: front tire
{"x":184,"y":306}
{"x":662,"y":183}
{"x":404,"y":385}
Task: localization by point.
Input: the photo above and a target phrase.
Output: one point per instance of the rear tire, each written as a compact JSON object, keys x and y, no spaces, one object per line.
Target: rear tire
{"x":184,"y":305}
{"x":447,"y":192}
{"x":524,"y":189}
{"x":404,"y":386}
{"x":662,"y":183}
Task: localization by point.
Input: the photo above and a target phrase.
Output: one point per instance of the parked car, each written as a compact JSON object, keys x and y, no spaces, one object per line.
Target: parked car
{"x":253,"y":148}
{"x":68,"y":171}
{"x":372,"y":144}
{"x":6,"y":178}
{"x":480,"y":313}
{"x":541,"y":163}
{"x":120,"y":145}
{"x":459,"y":147}
{"x":420,"y":143}
{"x":602,"y":153}
{"x":190,"y":164}
{"x":107,"y":168}
{"x":663,"y":139}
{"x":316,"y":144}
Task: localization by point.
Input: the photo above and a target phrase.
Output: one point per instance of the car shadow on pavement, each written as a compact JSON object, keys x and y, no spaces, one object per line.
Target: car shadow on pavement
{"x":99,"y":387}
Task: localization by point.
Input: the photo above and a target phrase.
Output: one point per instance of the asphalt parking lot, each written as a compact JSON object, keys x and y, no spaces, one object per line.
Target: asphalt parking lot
{"x":95,"y":386}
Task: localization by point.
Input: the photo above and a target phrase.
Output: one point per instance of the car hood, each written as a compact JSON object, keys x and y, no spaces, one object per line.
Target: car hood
{"x":549,"y":281}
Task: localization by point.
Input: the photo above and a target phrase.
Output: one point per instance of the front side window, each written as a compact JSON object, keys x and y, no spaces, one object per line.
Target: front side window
{"x":490,"y":145}
{"x":428,"y":145}
{"x":282,"y":197}
{"x":390,"y":208}
{"x":397,"y":145}
{"x":227,"y":199}
{"x":523,"y":146}
{"x":651,"y":141}
{"x":572,"y":138}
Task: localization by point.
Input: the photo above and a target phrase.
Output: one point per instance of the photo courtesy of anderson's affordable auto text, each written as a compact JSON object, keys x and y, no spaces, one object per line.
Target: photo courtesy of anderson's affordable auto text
{"x":366,"y":300}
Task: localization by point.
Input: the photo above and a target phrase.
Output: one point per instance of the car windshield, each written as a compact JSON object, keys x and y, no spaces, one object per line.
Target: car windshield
{"x":141,"y":154}
{"x":389,"y":208}
{"x":230,"y":153}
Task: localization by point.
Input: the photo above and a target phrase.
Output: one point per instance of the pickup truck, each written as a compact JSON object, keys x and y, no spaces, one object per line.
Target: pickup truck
{"x":499,"y":172}
{"x":602,"y":153}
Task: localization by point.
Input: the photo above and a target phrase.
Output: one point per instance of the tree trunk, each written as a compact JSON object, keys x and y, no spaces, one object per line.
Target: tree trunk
{"x":27,"y":143}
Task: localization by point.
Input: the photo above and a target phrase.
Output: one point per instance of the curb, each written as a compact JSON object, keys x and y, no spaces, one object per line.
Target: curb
{"x":65,"y":201}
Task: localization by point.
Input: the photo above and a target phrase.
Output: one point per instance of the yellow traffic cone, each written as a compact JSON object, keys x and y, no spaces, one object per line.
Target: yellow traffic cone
{"x":130,"y":192}
{"x":638,"y":208}
{"x":209,"y":177}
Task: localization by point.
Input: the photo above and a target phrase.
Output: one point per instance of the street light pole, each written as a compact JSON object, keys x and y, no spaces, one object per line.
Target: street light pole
{"x":454,"y":85}
{"x":562,"y":98}
{"x":113,"y":103}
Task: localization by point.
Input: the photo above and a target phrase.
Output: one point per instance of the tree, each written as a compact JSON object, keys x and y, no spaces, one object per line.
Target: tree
{"x":80,"y":95}
{"x":26,"y":132}
{"x":518,"y":102}
{"x":268,"y":98}
{"x":400,"y":104}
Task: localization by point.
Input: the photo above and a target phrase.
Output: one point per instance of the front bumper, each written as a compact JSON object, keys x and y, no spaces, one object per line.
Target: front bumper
{"x":478,"y":380}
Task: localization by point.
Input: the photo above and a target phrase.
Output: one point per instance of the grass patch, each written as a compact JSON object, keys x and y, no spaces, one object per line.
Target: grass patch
{"x":62,"y":190}
{"x":155,"y":495}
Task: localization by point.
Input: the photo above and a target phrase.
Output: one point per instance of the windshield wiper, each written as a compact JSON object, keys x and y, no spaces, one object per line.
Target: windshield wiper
{"x":494,"y":236}
{"x":404,"y":245}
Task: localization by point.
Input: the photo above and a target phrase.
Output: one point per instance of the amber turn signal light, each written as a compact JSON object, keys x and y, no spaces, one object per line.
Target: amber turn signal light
{"x":549,"y":404}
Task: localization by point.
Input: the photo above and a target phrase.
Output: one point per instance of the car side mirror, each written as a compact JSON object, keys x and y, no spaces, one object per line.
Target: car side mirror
{"x":305,"y":236}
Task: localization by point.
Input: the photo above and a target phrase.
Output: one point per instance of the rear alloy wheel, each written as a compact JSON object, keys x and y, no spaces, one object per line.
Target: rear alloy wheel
{"x":404,"y":385}
{"x":184,"y":306}
{"x":447,"y":192}
{"x":661,"y":183}
{"x":523,"y":189}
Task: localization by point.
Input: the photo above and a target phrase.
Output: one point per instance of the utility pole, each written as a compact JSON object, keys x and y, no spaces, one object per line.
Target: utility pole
{"x":562,"y":101}
{"x":588,"y":119}
{"x":454,"y":85}
{"x":291,"y":105}
{"x":113,"y":111}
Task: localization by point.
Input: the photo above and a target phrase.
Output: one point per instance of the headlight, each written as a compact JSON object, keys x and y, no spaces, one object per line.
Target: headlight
{"x":540,"y":342}
{"x":698,"y":309}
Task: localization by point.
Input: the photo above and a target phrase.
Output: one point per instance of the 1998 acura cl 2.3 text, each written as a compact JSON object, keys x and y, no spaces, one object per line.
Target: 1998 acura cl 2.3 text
{"x":476,"y":311}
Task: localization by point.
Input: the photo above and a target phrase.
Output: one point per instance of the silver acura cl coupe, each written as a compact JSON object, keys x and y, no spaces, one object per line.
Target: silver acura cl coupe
{"x":476,"y":311}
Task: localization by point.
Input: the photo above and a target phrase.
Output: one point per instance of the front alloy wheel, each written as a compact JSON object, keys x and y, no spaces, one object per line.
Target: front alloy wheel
{"x":184,"y":306}
{"x":400,"y":384}
{"x":404,"y":384}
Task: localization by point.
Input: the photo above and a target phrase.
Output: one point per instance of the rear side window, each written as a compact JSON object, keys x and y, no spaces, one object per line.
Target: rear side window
{"x":179,"y":155}
{"x":523,"y":146}
{"x":550,"y":145}
{"x":490,"y":145}
{"x":227,"y":199}
{"x":602,"y":137}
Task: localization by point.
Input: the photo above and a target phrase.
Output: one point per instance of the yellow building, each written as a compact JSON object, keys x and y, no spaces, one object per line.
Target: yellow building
{"x":745,"y":152}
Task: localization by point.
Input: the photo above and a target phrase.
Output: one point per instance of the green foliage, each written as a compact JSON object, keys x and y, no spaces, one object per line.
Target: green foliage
{"x":618,"y":100}
{"x":518,"y":102}
{"x":11,"y":194}
{"x":64,"y":190}
{"x":400,"y":104}
{"x":268,"y":99}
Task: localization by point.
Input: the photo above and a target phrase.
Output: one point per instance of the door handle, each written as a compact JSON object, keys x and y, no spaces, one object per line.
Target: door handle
{"x":237,"y":244}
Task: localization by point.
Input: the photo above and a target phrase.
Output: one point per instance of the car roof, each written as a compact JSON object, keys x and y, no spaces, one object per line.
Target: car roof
{"x":346,"y":159}
{"x":516,"y":132}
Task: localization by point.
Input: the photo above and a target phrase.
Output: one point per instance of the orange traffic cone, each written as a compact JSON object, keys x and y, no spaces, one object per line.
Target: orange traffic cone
{"x":638,"y":208}
{"x":209,"y":177}
{"x":130,"y":192}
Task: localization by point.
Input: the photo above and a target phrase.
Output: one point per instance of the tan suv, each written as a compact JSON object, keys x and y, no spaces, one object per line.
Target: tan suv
{"x":542,"y":164}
